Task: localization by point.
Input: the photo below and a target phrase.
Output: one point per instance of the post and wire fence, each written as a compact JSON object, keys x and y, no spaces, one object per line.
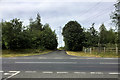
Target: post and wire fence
{"x":91,"y":50}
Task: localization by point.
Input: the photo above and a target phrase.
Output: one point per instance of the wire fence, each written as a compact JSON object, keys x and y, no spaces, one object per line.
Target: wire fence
{"x":102,"y":50}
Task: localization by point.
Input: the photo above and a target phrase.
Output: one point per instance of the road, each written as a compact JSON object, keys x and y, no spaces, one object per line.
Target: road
{"x":58,"y":64}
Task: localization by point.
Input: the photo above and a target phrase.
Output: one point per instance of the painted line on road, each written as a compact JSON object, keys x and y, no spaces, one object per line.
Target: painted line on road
{"x":93,"y":58}
{"x":90,"y":58}
{"x":17,"y":72}
{"x":47,"y":62}
{"x":108,"y":63}
{"x":110,"y":58}
{"x":47,"y":72}
{"x":61,"y":72}
{"x":114,"y":73}
{"x":80,"y":72}
{"x":96,"y":72}
{"x":1,"y":71}
{"x":58,"y":58}
{"x":7,"y":73}
{"x":75,"y":58}
{"x":30,"y":71}
{"x":82,"y":58}
{"x":42,"y":58}
{"x":13,"y":71}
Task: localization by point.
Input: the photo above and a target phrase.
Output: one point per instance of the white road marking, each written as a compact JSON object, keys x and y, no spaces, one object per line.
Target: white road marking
{"x":82,"y":58}
{"x":92,"y":72}
{"x":96,"y":72}
{"x":114,"y":73}
{"x":110,"y":58}
{"x":62,"y":72}
{"x":7,"y":73}
{"x":74,"y":58}
{"x":58,"y":58}
{"x":80,"y":72}
{"x":90,"y":58}
{"x":47,"y":62}
{"x":42,"y":58}
{"x":94,"y":58}
{"x":30,"y":71}
{"x":47,"y":72}
{"x":10,"y":58}
{"x":13,"y":71}
{"x":27,"y":58}
{"x":108,"y":63}
{"x":1,"y":71}
{"x":17,"y":72}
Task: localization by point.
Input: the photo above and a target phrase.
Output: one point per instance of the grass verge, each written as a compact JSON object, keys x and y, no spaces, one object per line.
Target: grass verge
{"x":23,"y":52}
{"x":82,"y":54}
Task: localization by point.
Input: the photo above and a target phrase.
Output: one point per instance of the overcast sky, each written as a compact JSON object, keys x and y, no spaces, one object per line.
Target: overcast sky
{"x":58,"y":12}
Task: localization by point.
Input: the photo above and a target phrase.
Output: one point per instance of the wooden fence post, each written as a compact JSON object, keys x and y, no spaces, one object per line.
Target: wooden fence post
{"x":104,"y":49}
{"x":116,"y":50}
{"x":85,"y":50}
{"x":90,"y":50}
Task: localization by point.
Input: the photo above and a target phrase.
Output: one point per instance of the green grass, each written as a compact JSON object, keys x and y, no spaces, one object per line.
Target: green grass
{"x":94,"y":54}
{"x":23,"y":52}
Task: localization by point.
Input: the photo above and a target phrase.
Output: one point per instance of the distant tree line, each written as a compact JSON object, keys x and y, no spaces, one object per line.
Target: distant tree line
{"x":76,"y":37}
{"x":33,"y":36}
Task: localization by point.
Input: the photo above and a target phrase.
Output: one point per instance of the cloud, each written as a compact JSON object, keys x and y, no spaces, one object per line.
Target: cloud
{"x":57,"y":14}
{"x":58,"y":0}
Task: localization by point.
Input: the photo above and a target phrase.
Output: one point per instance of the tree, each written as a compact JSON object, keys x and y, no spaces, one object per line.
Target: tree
{"x":16,"y":36}
{"x":116,"y":19}
{"x":11,"y":34}
{"x":49,"y":38}
{"x":88,"y":38}
{"x":93,"y":36}
{"x":111,"y":36}
{"x":42,"y":37}
{"x":73,"y":36}
{"x":1,"y":39}
{"x":36,"y":25}
{"x":35,"y":29}
{"x":102,"y":35}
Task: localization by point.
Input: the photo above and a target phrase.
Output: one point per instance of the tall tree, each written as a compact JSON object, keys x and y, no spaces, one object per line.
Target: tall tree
{"x":1,"y":39}
{"x":49,"y":38}
{"x":94,"y":36}
{"x":102,"y":34}
{"x":73,"y":36}
{"x":116,"y":19}
{"x":35,"y":28}
{"x":38,"y":22}
{"x":111,"y":36}
{"x":11,"y":33}
{"x":88,"y":38}
{"x":36,"y":25}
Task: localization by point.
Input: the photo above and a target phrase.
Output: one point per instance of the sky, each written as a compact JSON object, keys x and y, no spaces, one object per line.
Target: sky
{"x":58,"y":12}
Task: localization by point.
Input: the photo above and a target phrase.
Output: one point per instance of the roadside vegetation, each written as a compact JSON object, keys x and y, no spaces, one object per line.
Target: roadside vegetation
{"x":19,"y":40}
{"x":33,"y":36}
{"x":94,"y":54}
{"x":23,"y":52}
